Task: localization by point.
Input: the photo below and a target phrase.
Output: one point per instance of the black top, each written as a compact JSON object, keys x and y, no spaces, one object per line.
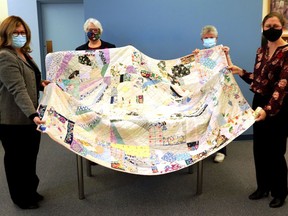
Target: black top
{"x":104,"y":45}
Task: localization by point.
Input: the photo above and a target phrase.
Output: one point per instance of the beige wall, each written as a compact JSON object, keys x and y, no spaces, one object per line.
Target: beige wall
{"x":3,"y":10}
{"x":266,"y":7}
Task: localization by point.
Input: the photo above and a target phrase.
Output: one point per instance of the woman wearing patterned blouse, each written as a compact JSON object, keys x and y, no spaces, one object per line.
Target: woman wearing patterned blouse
{"x":269,"y":85}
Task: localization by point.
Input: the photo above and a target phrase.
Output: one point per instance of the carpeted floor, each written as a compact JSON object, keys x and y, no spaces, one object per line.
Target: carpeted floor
{"x":226,"y":187}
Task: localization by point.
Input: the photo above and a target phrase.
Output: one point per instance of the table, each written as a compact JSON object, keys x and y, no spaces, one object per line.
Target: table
{"x":81,"y":195}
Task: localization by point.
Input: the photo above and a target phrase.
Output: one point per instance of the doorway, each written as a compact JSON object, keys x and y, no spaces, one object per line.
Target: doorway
{"x":62,"y":25}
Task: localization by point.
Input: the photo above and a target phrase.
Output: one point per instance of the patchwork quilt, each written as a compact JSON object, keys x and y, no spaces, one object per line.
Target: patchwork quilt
{"x":129,"y":112}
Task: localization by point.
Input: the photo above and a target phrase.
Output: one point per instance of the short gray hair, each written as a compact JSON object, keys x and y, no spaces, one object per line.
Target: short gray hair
{"x":209,"y":29}
{"x":93,"y":21}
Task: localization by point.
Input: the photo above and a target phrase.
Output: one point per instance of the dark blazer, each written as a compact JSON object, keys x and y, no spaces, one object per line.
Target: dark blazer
{"x":18,"y":88}
{"x":104,"y":45}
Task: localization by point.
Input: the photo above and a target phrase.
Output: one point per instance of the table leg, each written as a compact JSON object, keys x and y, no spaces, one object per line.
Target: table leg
{"x":88,"y":168}
{"x":79,"y":161}
{"x":199,"y":177}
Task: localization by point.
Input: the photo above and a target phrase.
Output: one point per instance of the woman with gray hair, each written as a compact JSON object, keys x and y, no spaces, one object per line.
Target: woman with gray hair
{"x":209,"y":37}
{"x":94,"y":30}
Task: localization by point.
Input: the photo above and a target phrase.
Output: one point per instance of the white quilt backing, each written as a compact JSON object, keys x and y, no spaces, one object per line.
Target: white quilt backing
{"x":132,"y":113}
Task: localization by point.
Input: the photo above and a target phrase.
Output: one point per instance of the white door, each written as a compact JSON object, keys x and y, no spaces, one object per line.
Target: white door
{"x":62,"y":24}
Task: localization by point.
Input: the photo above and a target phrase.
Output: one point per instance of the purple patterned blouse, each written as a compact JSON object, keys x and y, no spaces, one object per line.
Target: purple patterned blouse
{"x":270,"y":77}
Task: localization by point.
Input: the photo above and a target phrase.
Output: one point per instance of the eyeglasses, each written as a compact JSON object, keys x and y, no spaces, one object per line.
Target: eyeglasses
{"x":19,"y":33}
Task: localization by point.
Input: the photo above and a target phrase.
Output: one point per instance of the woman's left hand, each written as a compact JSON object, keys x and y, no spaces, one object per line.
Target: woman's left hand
{"x":260,"y":114}
{"x":226,"y":49}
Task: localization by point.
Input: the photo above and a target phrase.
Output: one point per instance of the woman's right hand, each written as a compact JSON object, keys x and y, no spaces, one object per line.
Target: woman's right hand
{"x":196,"y":51}
{"x":236,"y":70}
{"x":38,"y":121}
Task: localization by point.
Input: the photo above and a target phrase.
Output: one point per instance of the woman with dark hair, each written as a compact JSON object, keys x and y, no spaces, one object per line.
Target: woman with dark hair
{"x":269,"y":84}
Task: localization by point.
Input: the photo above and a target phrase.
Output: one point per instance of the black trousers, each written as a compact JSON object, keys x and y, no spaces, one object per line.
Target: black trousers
{"x":21,"y":145}
{"x":269,"y":147}
{"x":223,"y":150}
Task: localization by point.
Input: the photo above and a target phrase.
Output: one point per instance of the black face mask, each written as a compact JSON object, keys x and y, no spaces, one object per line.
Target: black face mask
{"x":272,"y":34}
